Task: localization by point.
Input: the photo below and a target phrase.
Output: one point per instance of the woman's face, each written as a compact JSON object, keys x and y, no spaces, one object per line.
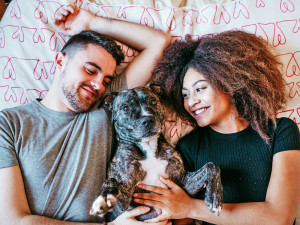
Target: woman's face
{"x":207,"y":105}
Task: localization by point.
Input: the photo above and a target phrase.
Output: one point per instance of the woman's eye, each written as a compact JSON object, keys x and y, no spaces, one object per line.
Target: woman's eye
{"x":200,"y":89}
{"x":184,"y":95}
{"x":126,"y":108}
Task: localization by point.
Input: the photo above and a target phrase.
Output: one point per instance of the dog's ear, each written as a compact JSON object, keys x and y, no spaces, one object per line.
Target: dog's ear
{"x":108,"y":100}
{"x":158,"y":89}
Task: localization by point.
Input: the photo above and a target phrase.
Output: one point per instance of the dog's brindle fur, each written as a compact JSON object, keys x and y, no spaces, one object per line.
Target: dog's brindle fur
{"x":143,"y":155}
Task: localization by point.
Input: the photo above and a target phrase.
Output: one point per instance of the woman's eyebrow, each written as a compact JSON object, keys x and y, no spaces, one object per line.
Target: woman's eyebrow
{"x":194,"y":84}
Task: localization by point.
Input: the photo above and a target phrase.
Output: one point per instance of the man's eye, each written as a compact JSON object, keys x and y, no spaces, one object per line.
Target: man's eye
{"x":106,"y":81}
{"x":89,"y":71}
{"x":126,"y":108}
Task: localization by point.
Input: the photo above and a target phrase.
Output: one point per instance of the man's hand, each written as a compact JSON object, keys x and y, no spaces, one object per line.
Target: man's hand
{"x":72,"y":20}
{"x":128,"y":217}
{"x":174,"y":202}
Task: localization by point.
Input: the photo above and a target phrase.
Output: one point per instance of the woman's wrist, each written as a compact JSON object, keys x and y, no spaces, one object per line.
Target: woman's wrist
{"x":195,"y":209}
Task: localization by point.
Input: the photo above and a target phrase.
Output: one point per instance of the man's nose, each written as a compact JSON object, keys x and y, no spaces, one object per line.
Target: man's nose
{"x":97,"y":82}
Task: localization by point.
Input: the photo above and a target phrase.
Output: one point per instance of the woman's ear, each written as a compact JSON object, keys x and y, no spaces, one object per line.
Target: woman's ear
{"x":60,"y":60}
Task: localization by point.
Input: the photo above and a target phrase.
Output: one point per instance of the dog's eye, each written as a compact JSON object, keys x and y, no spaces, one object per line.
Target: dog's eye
{"x":126,"y":108}
{"x":153,"y":102}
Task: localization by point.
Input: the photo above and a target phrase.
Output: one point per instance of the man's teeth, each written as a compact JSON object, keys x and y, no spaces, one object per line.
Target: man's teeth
{"x":200,"y":111}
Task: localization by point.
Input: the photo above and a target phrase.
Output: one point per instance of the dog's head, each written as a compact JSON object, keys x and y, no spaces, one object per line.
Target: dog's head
{"x":137,"y":113}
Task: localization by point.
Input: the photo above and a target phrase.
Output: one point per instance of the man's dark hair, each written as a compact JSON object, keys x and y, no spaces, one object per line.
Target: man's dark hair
{"x":84,"y":38}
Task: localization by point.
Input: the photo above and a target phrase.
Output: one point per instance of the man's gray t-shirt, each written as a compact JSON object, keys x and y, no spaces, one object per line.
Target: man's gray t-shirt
{"x":63,"y":156}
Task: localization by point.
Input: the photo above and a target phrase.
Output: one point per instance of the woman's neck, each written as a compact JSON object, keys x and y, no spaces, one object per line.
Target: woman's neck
{"x":230,"y":126}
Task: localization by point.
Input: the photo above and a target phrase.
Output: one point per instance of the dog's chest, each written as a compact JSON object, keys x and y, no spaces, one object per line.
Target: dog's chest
{"x":154,"y":167}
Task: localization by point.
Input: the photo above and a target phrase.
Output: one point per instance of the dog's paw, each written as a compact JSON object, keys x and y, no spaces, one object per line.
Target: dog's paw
{"x":214,"y":189}
{"x":103,"y":205}
{"x":214,"y":202}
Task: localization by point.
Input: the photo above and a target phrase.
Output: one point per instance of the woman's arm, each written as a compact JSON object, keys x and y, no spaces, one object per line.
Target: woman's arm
{"x":280,"y":207}
{"x":148,"y":41}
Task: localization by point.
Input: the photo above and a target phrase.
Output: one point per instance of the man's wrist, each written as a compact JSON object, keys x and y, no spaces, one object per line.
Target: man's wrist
{"x":97,"y":24}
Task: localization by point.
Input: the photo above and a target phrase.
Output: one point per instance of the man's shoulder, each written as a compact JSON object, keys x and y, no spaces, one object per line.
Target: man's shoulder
{"x":21,"y":109}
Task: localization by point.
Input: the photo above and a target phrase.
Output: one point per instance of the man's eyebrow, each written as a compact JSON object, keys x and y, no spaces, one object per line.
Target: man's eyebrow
{"x":194,"y":84}
{"x":94,"y":65}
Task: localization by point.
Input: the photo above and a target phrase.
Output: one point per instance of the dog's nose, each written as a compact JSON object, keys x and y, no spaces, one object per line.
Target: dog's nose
{"x":146,"y":121}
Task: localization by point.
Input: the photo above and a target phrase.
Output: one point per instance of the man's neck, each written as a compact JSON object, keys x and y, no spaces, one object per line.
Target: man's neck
{"x":54,"y":101}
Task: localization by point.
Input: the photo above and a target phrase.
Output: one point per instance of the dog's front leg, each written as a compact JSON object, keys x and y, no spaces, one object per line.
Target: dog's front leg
{"x":106,"y":201}
{"x":208,"y":177}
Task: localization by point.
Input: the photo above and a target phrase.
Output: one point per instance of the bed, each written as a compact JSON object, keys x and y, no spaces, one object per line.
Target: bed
{"x":29,"y":41}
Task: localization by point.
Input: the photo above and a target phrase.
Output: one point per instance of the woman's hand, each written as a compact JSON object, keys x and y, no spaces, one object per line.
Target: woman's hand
{"x":128,"y":218}
{"x":73,"y":20}
{"x":174,"y":202}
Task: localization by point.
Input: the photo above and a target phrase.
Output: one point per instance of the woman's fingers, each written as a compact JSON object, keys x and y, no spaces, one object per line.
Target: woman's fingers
{"x":169,"y":183}
{"x":137,"y":211}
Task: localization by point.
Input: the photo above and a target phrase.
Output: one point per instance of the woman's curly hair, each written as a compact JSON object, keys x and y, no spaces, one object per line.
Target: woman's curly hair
{"x":236,"y":63}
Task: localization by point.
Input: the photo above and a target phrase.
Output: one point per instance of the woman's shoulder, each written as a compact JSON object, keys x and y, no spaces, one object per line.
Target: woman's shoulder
{"x":195,"y":132}
{"x":192,"y":137}
{"x":284,"y":123}
{"x":286,"y":135}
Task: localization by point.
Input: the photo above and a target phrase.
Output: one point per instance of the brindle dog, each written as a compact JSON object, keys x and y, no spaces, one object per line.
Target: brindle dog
{"x":143,"y":155}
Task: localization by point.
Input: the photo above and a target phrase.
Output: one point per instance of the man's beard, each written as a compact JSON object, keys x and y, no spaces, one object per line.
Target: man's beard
{"x":72,"y":98}
{"x":75,"y":103}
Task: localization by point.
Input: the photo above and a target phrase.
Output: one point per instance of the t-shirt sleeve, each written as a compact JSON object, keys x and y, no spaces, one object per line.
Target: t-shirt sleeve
{"x":7,"y":151}
{"x":118,"y":83}
{"x":287,"y":136}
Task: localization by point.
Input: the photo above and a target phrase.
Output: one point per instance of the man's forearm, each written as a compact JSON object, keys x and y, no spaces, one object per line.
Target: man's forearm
{"x":38,"y":220}
{"x":134,"y":35}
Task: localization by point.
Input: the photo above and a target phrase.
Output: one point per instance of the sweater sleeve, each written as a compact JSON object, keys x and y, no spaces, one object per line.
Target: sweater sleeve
{"x":287,"y":136}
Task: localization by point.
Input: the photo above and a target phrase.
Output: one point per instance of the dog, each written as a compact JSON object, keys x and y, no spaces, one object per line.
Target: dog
{"x":142,"y":155}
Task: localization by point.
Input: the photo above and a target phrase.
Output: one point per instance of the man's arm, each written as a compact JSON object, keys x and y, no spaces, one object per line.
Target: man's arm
{"x":14,"y":209}
{"x":148,"y":41}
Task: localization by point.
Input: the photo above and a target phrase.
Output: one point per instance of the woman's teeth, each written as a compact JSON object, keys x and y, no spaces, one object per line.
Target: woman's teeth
{"x":200,"y":111}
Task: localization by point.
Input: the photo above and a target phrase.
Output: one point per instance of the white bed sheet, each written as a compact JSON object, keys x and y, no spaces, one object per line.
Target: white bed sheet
{"x":29,"y":41}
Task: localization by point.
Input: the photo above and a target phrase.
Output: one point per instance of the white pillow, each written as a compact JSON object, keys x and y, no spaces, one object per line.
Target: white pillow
{"x":29,"y":41}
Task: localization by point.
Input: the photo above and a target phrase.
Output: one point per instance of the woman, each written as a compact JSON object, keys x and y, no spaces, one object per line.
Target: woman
{"x":230,"y":85}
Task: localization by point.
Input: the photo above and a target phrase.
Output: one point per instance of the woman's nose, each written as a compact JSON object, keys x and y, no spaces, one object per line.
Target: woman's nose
{"x":193,"y":100}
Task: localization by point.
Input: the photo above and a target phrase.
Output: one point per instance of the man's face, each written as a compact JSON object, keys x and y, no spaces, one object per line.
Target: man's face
{"x":84,"y":76}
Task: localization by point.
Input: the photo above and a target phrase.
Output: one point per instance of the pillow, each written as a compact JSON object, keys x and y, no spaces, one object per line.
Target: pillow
{"x":29,"y":41}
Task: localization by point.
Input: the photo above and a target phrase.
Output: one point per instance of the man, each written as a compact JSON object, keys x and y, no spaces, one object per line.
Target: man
{"x":54,"y":152}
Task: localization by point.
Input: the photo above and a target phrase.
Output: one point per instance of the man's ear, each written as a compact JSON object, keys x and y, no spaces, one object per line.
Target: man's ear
{"x":108,"y":100}
{"x":158,"y":89}
{"x":60,"y":60}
